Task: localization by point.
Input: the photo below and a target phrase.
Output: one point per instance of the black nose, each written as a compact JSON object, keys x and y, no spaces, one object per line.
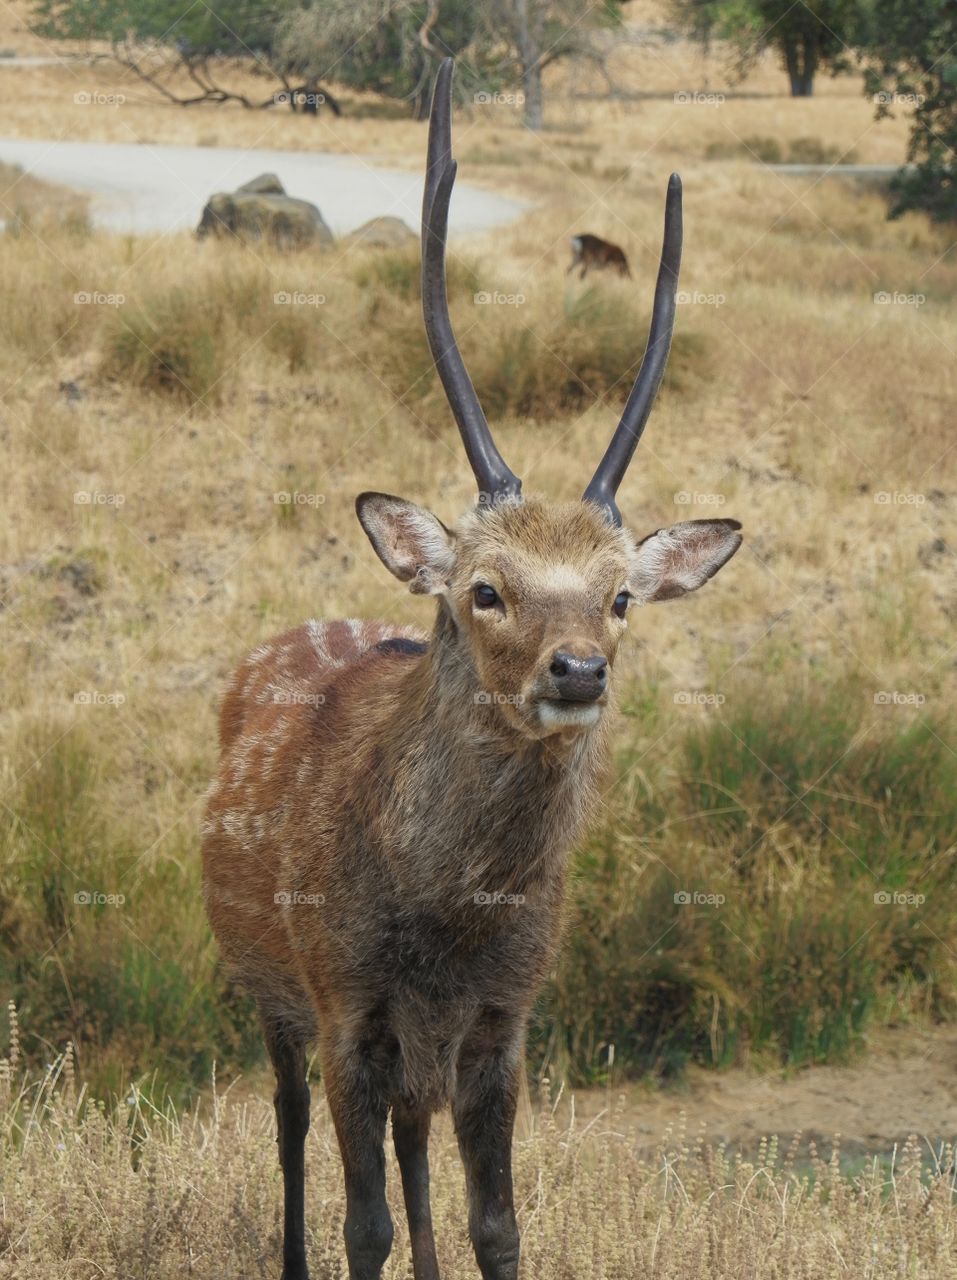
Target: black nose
{"x":578,"y":679}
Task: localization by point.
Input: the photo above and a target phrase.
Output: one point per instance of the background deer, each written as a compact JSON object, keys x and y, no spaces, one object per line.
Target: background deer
{"x":593,"y":252}
{"x":385,"y":846}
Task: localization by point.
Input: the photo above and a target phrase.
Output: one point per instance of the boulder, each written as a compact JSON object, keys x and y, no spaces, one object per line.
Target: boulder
{"x":389,"y":233}
{"x":267,"y":184}
{"x":280,"y":220}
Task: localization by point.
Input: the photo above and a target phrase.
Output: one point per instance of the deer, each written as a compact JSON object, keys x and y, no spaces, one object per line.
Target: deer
{"x":592,"y":252}
{"x":386,"y":843}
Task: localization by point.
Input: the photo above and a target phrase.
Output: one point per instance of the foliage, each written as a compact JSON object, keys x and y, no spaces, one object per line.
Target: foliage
{"x":911,"y":65}
{"x":808,"y":37}
{"x":92,"y":946}
{"x":819,"y":903}
{"x":386,"y":46}
{"x":157,"y":41}
{"x":233,"y":28}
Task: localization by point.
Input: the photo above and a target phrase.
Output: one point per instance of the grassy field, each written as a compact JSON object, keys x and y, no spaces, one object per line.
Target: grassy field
{"x":773,"y":869}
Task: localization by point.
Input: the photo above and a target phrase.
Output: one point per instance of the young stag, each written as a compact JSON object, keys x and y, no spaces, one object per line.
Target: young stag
{"x":593,"y":253}
{"x":386,"y":844}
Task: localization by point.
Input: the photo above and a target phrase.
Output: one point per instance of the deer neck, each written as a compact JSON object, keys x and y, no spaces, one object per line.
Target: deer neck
{"x":475,"y":791}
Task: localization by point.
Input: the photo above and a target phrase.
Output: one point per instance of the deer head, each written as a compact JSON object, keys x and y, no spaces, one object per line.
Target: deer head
{"x":538,"y":593}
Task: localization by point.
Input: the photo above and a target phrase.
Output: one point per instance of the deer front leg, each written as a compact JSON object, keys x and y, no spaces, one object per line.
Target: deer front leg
{"x":484,"y":1110}
{"x":410,"y":1132}
{"x":359,"y":1110}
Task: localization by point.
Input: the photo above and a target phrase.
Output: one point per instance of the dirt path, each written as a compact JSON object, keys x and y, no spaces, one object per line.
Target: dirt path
{"x":906,"y":1084}
{"x":145,"y":187}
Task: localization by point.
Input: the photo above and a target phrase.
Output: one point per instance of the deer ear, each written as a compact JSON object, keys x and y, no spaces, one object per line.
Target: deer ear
{"x":674,"y":561}
{"x":411,"y":542}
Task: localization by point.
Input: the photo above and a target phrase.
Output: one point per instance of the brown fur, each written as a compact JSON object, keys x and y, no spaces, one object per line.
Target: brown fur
{"x":592,"y":253}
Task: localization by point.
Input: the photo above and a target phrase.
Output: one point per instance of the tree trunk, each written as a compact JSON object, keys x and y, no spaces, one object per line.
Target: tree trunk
{"x":800,"y":58}
{"x":532,"y":88}
{"x":529,"y":45}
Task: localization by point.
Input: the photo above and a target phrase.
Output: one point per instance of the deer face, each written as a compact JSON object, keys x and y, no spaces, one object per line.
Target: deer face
{"x":539,"y":594}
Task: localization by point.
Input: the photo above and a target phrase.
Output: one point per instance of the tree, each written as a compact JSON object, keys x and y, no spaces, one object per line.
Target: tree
{"x":158,"y":40}
{"x":911,"y":64}
{"x":538,"y":33}
{"x":503,"y":46}
{"x":808,"y":35}
{"x":386,"y":46}
{"x":391,"y":47}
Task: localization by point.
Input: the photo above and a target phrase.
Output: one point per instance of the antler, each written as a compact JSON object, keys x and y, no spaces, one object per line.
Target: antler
{"x":612,"y":468}
{"x":495,"y":480}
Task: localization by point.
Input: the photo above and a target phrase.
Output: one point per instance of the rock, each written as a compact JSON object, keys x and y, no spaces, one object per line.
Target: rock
{"x":384,"y":233}
{"x":267,"y":184}
{"x":282,"y":220}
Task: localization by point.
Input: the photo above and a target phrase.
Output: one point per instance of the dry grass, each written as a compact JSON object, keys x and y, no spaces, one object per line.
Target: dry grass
{"x":154,"y":1193}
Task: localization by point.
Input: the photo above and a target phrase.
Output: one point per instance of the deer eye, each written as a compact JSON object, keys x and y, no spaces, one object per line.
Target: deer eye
{"x":620,"y":607}
{"x":485,"y":597}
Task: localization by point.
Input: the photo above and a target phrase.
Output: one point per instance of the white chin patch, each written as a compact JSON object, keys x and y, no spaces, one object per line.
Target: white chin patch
{"x":553,"y":716}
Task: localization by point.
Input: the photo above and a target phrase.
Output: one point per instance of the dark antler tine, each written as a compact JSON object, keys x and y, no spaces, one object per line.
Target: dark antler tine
{"x":495,"y":480}
{"x":440,"y":139}
{"x":612,"y":468}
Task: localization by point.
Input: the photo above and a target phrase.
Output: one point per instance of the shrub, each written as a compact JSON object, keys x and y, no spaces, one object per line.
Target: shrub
{"x":172,"y":344}
{"x":399,"y":272}
{"x":832,"y":852}
{"x":538,"y":357}
{"x":131,"y":983}
{"x":770,"y":151}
